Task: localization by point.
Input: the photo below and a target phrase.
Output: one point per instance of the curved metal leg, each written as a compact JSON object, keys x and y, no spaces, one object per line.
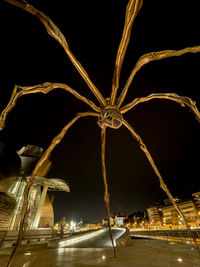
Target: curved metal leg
{"x":44,"y":88}
{"x":106,"y":194}
{"x":55,"y":32}
{"x":162,"y":183}
{"x":152,"y":56}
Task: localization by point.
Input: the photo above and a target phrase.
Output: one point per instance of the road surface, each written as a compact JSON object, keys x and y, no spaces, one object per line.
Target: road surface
{"x":100,"y":241}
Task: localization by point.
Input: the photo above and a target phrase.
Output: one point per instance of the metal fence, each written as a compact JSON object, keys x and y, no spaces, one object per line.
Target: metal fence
{"x":176,"y":235}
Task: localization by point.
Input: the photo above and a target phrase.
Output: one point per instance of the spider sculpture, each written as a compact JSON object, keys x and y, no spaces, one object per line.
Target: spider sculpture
{"x":110,"y":111}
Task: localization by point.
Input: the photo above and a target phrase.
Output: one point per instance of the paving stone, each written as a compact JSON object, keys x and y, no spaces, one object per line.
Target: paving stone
{"x":139,"y":253}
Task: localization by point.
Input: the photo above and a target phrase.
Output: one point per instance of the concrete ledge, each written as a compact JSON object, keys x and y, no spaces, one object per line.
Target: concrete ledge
{"x":31,"y":237}
{"x":124,"y":239}
{"x":53,"y":244}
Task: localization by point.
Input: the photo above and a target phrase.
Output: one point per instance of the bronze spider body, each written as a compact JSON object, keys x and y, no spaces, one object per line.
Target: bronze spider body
{"x":110,"y":112}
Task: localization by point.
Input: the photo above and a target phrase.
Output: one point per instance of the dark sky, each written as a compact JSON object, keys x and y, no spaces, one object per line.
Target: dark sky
{"x":29,"y":56}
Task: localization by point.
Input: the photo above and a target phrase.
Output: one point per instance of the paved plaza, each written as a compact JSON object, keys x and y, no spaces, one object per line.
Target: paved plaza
{"x":139,"y":253}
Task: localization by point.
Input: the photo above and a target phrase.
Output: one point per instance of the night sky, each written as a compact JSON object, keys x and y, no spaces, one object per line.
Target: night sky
{"x":29,"y":56}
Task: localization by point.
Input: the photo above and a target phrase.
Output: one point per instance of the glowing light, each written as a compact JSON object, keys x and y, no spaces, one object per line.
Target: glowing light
{"x":26,"y":264}
{"x":74,"y":240}
{"x":72,"y":225}
{"x":27,"y":253}
{"x":61,"y":250}
{"x":179,"y":259}
{"x":103,"y":257}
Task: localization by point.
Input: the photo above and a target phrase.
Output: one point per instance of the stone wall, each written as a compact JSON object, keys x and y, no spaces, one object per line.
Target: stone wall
{"x":124,"y":239}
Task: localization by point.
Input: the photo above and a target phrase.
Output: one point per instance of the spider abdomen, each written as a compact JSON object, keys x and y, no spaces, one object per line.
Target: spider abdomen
{"x":111,"y":117}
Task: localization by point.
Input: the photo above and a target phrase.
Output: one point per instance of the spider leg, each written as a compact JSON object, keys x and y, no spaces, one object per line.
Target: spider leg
{"x":55,"y":32}
{"x":152,"y":56}
{"x":39,"y":164}
{"x":41,"y":88}
{"x":132,"y":10}
{"x":162,"y":183}
{"x":182,"y":100}
{"x":106,"y":194}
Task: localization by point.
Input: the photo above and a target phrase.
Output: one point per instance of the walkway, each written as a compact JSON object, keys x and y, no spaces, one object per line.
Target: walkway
{"x":140,"y":253}
{"x":101,"y":240}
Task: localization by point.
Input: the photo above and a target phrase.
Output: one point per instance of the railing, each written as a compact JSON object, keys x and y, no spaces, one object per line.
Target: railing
{"x":176,"y":235}
{"x":39,"y":237}
{"x":30,"y":237}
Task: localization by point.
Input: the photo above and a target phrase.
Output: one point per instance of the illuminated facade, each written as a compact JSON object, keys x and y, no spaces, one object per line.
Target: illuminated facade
{"x":196,"y":197}
{"x":39,"y":204}
{"x":47,"y":213}
{"x":40,"y":210}
{"x":155,"y":216}
{"x":16,"y":191}
{"x":7,"y":206}
{"x":9,"y":168}
{"x":172,"y":218}
{"x":117,"y":218}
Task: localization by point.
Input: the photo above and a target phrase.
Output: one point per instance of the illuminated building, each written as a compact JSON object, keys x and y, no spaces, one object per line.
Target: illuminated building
{"x":119,"y":214}
{"x":7,"y":205}
{"x":137,"y":220}
{"x":168,"y":201}
{"x":155,"y":216}
{"x":40,"y":210}
{"x":92,"y":226}
{"x":117,"y":218}
{"x":9,"y":169}
{"x":196,"y":197}
{"x":172,"y":218}
{"x":47,"y":213}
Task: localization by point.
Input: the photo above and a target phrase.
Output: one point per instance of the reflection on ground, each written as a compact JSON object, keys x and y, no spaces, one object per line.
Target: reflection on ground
{"x":140,"y":253}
